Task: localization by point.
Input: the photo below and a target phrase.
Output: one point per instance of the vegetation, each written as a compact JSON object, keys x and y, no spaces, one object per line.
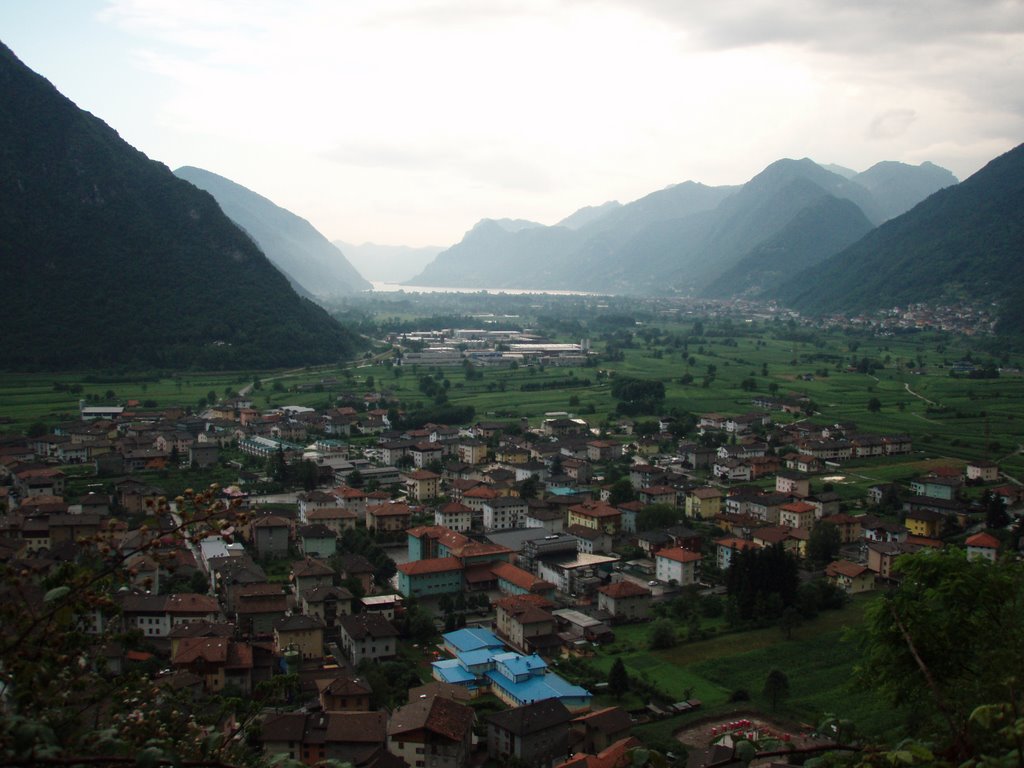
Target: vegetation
{"x":922,"y":255}
{"x":139,"y":268}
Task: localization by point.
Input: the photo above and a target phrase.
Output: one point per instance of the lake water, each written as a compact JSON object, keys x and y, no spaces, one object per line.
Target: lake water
{"x":395,"y":287}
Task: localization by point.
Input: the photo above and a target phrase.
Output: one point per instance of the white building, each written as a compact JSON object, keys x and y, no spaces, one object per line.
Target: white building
{"x":676,"y":565}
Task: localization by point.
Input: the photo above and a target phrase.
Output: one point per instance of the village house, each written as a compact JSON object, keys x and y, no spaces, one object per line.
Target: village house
{"x":793,"y":484}
{"x":433,"y":732}
{"x":269,"y":536}
{"x":317,"y":540}
{"x":455,"y":516}
{"x":596,"y":515}
{"x":357,"y":568}
{"x":388,"y":518}
{"x":327,"y":603}
{"x":304,"y":634}
{"x":850,"y":577}
{"x":925,"y":522}
{"x":658,"y":494}
{"x":435,"y":576}
{"x":982,"y":471}
{"x":797,"y":514}
{"x":338,"y":519}
{"x":367,"y":636}
{"x":847,"y":525}
{"x":358,"y":738}
{"x":422,"y":485}
{"x":534,"y":734}
{"x":503,"y":513}
{"x":624,"y":601}
{"x":219,"y":661}
{"x":518,"y":618}
{"x":309,"y":573}
{"x":984,"y":546}
{"x":676,"y":566}
{"x":344,"y":694}
{"x":726,"y":549}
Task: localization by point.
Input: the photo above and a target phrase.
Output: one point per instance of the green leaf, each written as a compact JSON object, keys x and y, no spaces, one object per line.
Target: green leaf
{"x":56,"y":593}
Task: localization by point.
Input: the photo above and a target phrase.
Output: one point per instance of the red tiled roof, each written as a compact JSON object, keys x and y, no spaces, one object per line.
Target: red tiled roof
{"x":800,"y":507}
{"x":845,"y":568}
{"x":679,"y":555}
{"x":621,"y":589}
{"x":986,"y":540}
{"x":432,"y":565}
{"x":518,"y":577}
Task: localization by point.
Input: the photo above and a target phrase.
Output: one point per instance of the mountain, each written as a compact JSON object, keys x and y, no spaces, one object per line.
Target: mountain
{"x":492,"y":256}
{"x":690,"y":238}
{"x":291,"y":243}
{"x":389,"y":263}
{"x":818,"y":231}
{"x":964,"y":242}
{"x":840,"y":170}
{"x":109,"y":259}
{"x":898,"y":187}
{"x":588,"y":215}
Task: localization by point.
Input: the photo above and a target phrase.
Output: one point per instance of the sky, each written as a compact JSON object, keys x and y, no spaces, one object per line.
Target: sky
{"x":407,"y":121}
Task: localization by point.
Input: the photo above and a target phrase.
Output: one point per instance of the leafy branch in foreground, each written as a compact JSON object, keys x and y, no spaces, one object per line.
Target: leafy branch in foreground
{"x":63,"y":702}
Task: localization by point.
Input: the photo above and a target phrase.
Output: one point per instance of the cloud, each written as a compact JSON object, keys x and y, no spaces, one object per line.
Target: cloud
{"x":866,"y":26}
{"x":891,"y":124}
{"x":474,"y":162}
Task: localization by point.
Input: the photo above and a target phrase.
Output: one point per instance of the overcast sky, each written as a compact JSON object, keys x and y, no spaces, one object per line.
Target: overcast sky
{"x":406,"y":121}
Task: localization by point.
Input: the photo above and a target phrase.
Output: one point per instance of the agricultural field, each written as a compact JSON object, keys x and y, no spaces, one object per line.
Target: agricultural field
{"x":720,"y":370}
{"x":819,"y":662}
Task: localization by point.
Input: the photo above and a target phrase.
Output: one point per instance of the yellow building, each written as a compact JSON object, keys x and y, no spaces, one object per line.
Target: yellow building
{"x":597,"y":516}
{"x":703,"y":503}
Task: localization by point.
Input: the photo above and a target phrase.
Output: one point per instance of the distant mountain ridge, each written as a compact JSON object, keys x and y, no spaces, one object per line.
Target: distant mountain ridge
{"x":109,"y":259}
{"x":691,"y":238}
{"x":388,"y":263}
{"x":295,"y":247}
{"x":962,"y":243}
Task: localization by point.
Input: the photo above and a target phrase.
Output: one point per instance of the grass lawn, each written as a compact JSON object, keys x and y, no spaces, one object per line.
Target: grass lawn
{"x":818,"y":661}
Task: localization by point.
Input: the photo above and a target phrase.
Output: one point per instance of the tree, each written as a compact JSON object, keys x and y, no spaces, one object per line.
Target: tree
{"x":874,"y":405}
{"x":529,"y":487}
{"x":618,"y":679}
{"x":776,"y":687}
{"x":946,"y":642}
{"x":662,"y":634}
{"x":995,"y":510}
{"x":621,"y":492}
{"x":823,"y":543}
{"x":789,"y":621}
{"x":61,"y":704}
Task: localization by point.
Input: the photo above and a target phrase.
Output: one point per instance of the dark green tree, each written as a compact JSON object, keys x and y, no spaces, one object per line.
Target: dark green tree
{"x":946,"y":642}
{"x":618,"y":679}
{"x":776,"y":687}
{"x":662,"y":634}
{"x":621,"y":492}
{"x":823,"y":543}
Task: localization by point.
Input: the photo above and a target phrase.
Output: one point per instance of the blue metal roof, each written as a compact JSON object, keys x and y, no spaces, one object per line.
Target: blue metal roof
{"x":538,"y":687}
{"x":450,"y":671}
{"x":472,"y":639}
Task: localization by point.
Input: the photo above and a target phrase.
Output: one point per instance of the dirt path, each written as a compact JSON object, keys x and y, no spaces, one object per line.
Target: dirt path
{"x":906,"y":386}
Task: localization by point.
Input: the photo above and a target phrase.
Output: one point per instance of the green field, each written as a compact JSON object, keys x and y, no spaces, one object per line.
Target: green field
{"x":819,"y":662}
{"x":950,"y":419}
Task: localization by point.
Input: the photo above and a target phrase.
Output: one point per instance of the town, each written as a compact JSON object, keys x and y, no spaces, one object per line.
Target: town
{"x":487,"y":592}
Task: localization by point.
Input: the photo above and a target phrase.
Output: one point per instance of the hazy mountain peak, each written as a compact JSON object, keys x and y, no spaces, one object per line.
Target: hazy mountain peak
{"x":839,"y":170}
{"x":588,"y":214}
{"x":289,"y":241}
{"x":508,"y":225}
